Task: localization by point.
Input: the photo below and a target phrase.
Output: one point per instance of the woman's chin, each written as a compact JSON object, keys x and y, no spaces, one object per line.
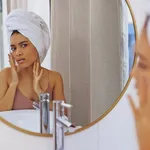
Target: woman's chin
{"x":23,"y":66}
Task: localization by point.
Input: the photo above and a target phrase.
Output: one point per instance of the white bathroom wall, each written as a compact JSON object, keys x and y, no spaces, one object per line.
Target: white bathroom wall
{"x":5,"y":42}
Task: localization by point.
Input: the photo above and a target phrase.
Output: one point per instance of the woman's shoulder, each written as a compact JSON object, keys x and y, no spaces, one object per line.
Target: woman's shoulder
{"x":5,"y":74}
{"x":5,"y":71}
{"x":53,"y":74}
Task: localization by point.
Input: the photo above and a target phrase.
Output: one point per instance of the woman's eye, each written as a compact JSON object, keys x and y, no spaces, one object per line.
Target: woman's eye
{"x":13,"y":48}
{"x":23,"y":45}
{"x":142,"y":65}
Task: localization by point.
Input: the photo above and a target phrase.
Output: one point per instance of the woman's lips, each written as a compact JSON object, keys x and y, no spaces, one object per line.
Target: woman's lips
{"x":21,"y":61}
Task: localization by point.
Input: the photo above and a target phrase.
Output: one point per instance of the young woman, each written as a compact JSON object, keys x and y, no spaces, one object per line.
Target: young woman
{"x":22,"y":83}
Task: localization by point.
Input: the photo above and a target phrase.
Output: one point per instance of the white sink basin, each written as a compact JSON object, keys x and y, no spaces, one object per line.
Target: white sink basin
{"x":26,"y":119}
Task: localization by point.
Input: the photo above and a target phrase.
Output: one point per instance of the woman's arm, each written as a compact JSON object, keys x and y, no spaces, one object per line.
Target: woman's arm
{"x":58,"y":91}
{"x":7,"y":92}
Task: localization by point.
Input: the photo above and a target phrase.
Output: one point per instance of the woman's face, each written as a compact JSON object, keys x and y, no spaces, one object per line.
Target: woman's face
{"x":23,"y":50}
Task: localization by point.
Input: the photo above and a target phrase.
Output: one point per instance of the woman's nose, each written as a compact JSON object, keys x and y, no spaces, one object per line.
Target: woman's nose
{"x":18,"y":52}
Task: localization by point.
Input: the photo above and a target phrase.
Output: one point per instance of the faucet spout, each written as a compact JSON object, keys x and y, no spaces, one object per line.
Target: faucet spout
{"x":44,"y":113}
{"x":64,"y":122}
{"x":43,"y":107}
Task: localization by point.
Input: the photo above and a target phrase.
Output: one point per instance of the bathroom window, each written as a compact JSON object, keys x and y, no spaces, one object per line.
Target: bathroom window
{"x":131,"y":42}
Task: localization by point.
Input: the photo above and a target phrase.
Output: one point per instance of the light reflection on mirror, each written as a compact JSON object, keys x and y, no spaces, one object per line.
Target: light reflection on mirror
{"x":93,"y":93}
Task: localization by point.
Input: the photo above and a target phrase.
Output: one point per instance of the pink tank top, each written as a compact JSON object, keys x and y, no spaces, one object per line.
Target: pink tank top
{"x":22,"y":102}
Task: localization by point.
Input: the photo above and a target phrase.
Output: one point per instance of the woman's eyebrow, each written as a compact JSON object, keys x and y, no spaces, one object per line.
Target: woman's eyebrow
{"x":19,"y":43}
{"x":22,"y":42}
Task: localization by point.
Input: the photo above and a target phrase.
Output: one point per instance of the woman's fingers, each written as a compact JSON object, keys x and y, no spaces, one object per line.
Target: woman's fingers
{"x":18,"y":68}
{"x":36,"y":70}
{"x":144,"y":30}
{"x":146,"y":21}
{"x":12,"y":58}
{"x":134,"y":74}
{"x":41,"y":72}
{"x":11,"y":61}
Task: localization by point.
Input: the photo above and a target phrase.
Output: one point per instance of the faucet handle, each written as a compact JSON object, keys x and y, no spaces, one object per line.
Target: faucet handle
{"x":35,"y":105}
{"x":66,"y":105}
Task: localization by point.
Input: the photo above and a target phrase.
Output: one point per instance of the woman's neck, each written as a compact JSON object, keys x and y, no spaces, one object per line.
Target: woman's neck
{"x":26,"y":72}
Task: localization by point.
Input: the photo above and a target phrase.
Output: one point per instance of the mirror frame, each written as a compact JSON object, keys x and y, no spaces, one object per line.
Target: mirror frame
{"x":98,"y":119}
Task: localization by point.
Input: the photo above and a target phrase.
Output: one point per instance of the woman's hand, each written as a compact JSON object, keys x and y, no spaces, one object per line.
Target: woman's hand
{"x":37,"y":74}
{"x":14,"y":70}
{"x":141,"y":73}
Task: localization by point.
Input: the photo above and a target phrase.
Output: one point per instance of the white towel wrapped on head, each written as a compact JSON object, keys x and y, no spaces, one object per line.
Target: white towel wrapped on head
{"x":31,"y":26}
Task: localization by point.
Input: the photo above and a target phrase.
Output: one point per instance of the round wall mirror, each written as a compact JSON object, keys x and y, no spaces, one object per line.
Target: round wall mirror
{"x":92,"y":47}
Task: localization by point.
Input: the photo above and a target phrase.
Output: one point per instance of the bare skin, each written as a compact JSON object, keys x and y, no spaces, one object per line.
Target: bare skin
{"x":141,"y":73}
{"x":28,"y":76}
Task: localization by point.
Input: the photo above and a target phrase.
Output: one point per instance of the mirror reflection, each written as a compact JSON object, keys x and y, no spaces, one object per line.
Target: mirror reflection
{"x":81,"y":57}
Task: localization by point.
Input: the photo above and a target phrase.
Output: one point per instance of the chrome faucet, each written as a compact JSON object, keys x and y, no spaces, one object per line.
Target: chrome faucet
{"x":43,"y":106}
{"x":59,"y":123}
